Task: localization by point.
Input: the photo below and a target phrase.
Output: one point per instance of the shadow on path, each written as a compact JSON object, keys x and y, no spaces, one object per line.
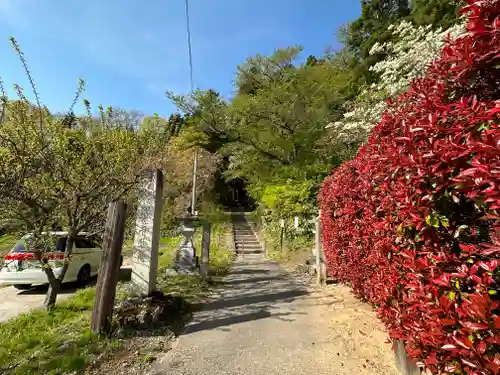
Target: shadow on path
{"x":251,"y":281}
{"x":246,"y":300}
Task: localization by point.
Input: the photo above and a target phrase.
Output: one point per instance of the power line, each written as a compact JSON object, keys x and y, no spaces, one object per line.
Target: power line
{"x":188,"y":29}
{"x":191,"y":81}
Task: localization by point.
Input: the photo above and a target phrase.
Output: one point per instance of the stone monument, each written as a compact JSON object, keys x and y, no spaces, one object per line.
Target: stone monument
{"x":147,"y":233}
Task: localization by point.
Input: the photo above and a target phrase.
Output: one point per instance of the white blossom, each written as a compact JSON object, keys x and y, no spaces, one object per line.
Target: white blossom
{"x":407,"y":59}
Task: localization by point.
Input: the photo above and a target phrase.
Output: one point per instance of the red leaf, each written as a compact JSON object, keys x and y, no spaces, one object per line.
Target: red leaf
{"x":481,"y":346}
{"x":493,"y":111}
{"x":496,"y":322}
{"x":494,"y":365}
{"x":476,"y":326}
{"x":443,"y":280}
{"x":448,"y":347}
{"x":464,"y":342}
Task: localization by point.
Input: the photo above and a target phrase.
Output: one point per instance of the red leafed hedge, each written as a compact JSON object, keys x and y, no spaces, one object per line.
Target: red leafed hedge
{"x":413,"y":225}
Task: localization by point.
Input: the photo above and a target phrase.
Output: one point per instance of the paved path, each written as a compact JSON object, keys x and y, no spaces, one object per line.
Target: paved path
{"x":263,"y":322}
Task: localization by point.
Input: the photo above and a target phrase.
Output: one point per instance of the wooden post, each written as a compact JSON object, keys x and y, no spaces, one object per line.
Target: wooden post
{"x":242,"y":244}
{"x":282,"y":234}
{"x":233,"y":241}
{"x":109,"y":268}
{"x":205,"y":250}
{"x":320,"y":264}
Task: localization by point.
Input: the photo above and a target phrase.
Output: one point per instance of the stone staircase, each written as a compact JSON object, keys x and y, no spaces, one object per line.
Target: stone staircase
{"x":245,"y":241}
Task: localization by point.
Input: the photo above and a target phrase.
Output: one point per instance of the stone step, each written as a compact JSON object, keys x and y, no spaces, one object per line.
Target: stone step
{"x":248,"y":246}
{"x":249,"y":251}
{"x":245,"y":240}
{"x":246,"y":243}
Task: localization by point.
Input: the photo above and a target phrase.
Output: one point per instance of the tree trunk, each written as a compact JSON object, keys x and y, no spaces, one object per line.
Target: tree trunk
{"x":67,"y":254}
{"x":55,"y":283}
{"x":51,"y":296}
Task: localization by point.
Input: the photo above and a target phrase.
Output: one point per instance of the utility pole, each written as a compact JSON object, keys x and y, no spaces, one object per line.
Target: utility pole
{"x":191,"y":81}
{"x":195,"y":169}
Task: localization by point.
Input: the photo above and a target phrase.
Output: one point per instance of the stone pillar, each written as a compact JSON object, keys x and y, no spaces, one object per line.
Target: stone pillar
{"x":147,"y":233}
{"x":403,"y":362}
{"x":318,"y":252}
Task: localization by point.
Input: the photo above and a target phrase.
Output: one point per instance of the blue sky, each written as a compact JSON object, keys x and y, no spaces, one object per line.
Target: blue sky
{"x":129,"y":52}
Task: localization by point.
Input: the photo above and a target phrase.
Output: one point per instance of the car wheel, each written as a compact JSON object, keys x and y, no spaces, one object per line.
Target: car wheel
{"x":22,"y":286}
{"x":84,"y":275}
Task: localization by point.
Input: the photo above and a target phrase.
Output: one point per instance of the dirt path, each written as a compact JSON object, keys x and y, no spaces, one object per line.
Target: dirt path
{"x":264,"y":322}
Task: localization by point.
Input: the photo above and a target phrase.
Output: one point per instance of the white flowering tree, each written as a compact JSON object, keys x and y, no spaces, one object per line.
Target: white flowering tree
{"x":407,"y":58}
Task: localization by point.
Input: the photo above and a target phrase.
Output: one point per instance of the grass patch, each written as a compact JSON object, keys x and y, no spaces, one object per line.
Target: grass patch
{"x":221,"y":255}
{"x":52,"y":342}
{"x":190,"y":287}
{"x":168,"y":248}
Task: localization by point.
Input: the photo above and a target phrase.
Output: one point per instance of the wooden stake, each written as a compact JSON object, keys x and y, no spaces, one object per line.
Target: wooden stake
{"x":109,"y":268}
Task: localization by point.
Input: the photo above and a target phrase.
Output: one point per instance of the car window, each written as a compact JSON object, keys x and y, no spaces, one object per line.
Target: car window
{"x":83,"y":243}
{"x":23,"y":245}
{"x":61,"y":243}
{"x":19,"y":247}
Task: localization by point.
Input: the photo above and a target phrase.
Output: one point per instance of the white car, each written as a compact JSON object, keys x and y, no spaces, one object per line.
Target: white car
{"x":22,"y":270}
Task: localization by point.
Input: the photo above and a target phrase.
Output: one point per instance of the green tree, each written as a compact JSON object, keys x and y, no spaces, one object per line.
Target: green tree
{"x":438,"y":13}
{"x":371,"y":26}
{"x":206,"y":111}
{"x":53,"y":176}
{"x":280,"y":125}
{"x":260,"y":71}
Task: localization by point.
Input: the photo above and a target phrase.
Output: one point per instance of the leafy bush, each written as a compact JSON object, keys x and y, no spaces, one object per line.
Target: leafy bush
{"x":284,"y":201}
{"x":412,"y":223}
